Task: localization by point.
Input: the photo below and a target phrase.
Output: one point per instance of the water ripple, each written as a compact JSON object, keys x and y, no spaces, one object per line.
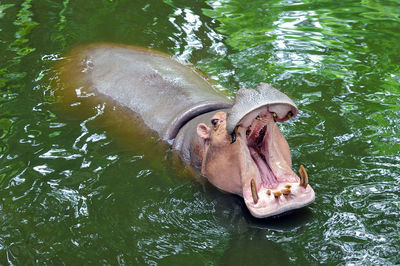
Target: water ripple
{"x":74,"y":181}
{"x":183,"y":225}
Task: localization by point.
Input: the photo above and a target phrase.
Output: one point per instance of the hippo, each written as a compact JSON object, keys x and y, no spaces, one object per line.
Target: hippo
{"x":236,"y":144}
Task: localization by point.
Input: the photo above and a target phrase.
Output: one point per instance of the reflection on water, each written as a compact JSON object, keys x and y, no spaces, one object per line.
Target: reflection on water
{"x":330,"y":39}
{"x":78,"y":178}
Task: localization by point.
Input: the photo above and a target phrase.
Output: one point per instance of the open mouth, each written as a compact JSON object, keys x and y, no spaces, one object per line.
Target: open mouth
{"x":276,"y":188}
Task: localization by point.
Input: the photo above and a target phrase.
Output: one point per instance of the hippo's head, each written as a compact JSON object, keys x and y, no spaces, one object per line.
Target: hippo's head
{"x":245,"y":153}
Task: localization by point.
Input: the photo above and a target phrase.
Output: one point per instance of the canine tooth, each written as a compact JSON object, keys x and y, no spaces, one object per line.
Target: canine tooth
{"x":275,"y":116}
{"x":286,"y":191}
{"x":254,"y":191}
{"x":268,"y":192}
{"x":277,"y":194}
{"x":288,"y":186}
{"x":303,"y":176}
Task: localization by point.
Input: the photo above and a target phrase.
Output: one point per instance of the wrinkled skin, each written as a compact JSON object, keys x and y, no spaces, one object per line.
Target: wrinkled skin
{"x":260,"y":153}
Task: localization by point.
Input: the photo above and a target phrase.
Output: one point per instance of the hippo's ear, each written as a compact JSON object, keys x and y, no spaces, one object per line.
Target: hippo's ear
{"x":203,"y":131}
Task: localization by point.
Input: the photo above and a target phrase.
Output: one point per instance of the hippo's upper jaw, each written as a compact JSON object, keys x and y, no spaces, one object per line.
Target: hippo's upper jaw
{"x":274,"y":188}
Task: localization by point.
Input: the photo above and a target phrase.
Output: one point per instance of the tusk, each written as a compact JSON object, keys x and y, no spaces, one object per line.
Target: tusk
{"x":254,"y":191}
{"x":303,"y":176}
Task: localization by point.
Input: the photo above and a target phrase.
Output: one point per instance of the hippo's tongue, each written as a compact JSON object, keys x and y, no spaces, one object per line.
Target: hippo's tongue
{"x":249,"y":102}
{"x":267,"y":176}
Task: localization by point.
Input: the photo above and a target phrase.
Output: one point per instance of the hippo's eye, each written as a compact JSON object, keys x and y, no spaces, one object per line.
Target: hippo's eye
{"x":214,"y":122}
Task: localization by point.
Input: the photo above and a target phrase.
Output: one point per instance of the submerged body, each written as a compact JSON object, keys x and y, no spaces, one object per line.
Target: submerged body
{"x":145,"y":82}
{"x":237,"y":146}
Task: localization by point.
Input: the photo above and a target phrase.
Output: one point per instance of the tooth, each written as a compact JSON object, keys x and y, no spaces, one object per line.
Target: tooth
{"x":286,"y":191}
{"x":277,"y":194}
{"x":275,"y":116}
{"x":268,"y":192}
{"x":288,"y":186}
{"x":289,"y":114}
{"x":254,"y":191}
{"x":303,"y":176}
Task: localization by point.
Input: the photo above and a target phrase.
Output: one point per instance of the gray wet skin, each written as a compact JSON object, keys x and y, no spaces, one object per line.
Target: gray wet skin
{"x":163,"y":92}
{"x":238,"y":147}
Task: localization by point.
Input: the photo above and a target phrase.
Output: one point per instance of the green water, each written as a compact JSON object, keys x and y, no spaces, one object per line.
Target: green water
{"x":76,"y":187}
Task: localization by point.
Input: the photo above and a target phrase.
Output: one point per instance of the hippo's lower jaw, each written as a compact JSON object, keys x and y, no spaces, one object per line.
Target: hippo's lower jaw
{"x":283,"y":198}
{"x":269,"y":186}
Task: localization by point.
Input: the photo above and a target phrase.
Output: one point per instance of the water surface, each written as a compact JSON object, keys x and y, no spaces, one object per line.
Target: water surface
{"x":79,"y":187}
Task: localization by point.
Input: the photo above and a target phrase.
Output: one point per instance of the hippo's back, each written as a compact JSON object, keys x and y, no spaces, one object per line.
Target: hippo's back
{"x":163,"y":92}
